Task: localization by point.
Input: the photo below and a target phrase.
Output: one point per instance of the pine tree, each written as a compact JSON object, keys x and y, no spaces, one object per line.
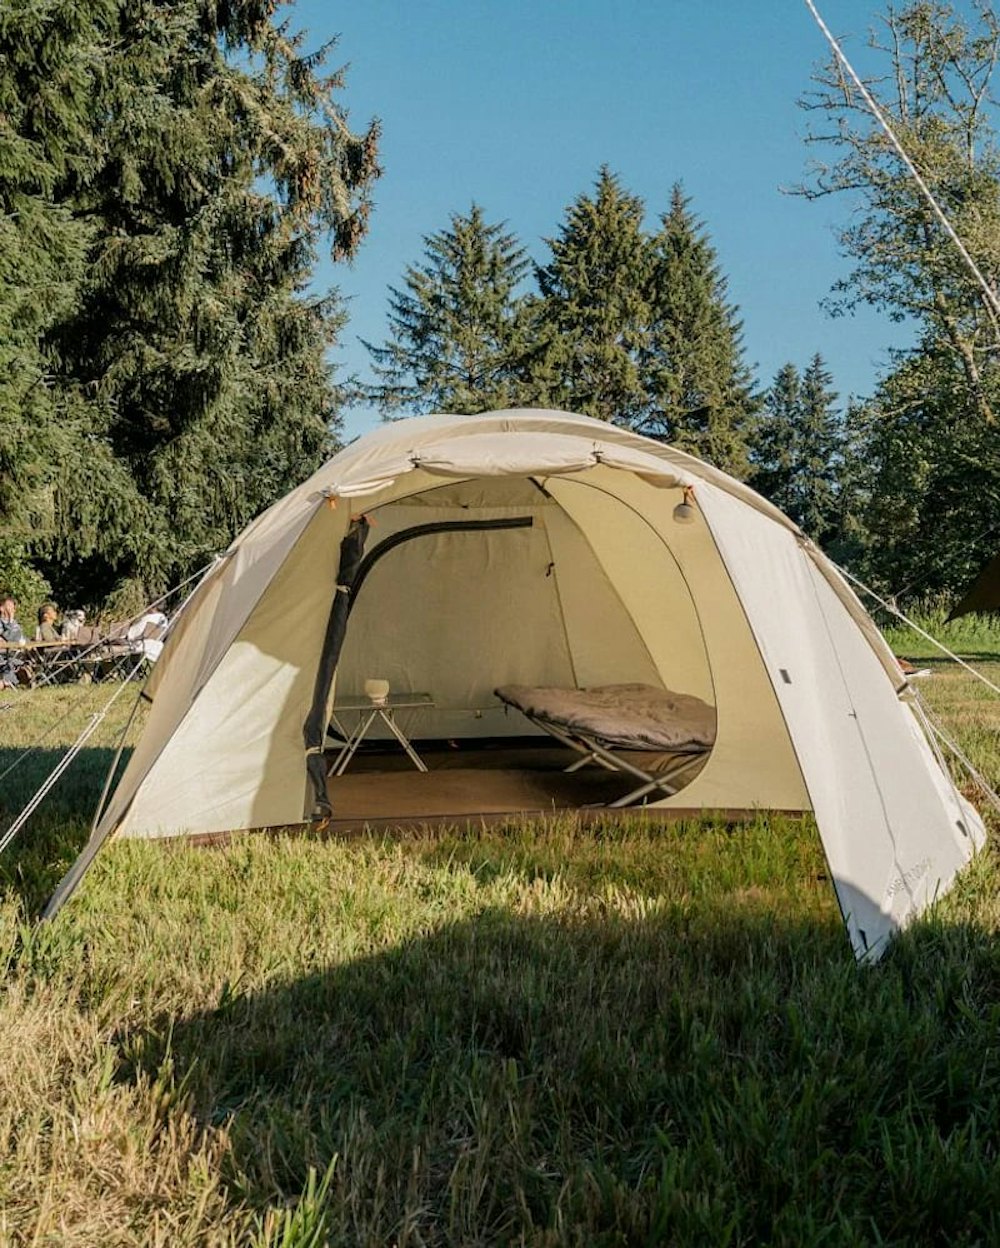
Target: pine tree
{"x":819,"y":446}
{"x":458,"y":324}
{"x":700,"y":390}
{"x":50,"y":54}
{"x":190,"y":361}
{"x":799,"y":446}
{"x":593,"y":314}
{"x":775,"y":452}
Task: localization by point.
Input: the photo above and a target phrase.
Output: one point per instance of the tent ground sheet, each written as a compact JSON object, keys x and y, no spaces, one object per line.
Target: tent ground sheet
{"x":508,"y":778}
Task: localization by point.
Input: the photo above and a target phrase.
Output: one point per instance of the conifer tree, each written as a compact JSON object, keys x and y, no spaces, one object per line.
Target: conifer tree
{"x":458,"y":324}
{"x":190,"y":360}
{"x":594,"y":313}
{"x":775,"y":451}
{"x":700,"y":390}
{"x":799,"y":448}
{"x":49,"y":55}
{"x":820,"y":446}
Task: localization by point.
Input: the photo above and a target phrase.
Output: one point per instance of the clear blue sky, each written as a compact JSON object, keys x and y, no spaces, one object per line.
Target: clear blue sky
{"x":515,"y":105}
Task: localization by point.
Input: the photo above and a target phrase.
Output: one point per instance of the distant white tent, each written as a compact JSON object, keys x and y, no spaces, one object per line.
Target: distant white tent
{"x":549,"y":551}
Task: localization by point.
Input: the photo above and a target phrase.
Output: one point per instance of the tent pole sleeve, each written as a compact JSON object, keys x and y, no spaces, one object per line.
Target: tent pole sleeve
{"x":314,"y":729}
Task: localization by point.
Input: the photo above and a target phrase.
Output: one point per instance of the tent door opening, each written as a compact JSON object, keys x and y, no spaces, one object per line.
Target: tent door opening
{"x":470,"y":587}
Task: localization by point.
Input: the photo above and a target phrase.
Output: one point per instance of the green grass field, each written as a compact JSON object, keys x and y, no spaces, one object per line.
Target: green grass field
{"x":541,"y":1034}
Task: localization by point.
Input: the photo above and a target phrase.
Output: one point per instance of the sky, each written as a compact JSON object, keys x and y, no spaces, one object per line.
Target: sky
{"x":516,"y":105}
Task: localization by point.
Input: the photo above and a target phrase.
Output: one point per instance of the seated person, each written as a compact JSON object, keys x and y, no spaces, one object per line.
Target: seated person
{"x":11,"y":634}
{"x":47,"y":629}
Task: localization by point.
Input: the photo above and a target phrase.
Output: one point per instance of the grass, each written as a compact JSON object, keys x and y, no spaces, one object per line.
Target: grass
{"x":539,"y":1034}
{"x":971,"y":635}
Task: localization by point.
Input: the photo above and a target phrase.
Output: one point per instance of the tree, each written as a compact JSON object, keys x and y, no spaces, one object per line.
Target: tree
{"x":936,"y":92}
{"x":700,"y":391}
{"x":925,"y":481}
{"x":924,"y":473}
{"x":775,"y":454}
{"x":594,"y":312}
{"x":799,"y":449}
{"x":458,"y":324}
{"x":820,"y":443}
{"x":49,"y":58}
{"x":189,"y":364}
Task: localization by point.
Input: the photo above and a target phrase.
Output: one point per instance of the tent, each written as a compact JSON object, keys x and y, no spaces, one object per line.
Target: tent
{"x":984,"y":592}
{"x":544,"y":548}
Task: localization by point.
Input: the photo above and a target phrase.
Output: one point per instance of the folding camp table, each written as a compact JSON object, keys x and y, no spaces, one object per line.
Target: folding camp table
{"x":369,"y":713}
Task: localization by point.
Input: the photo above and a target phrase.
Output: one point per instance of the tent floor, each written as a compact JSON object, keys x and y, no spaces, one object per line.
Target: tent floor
{"x":472,"y":781}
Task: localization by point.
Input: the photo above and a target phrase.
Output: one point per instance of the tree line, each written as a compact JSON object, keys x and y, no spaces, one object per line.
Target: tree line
{"x":902,"y":486}
{"x":169,"y":174}
{"x":619,"y":323}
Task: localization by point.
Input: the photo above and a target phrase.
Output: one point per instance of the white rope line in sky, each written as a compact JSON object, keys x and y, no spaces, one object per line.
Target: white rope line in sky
{"x":893,"y":610}
{"x":883,"y":121}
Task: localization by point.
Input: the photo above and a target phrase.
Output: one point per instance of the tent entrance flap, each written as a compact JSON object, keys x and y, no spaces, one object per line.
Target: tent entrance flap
{"x":314,"y":729}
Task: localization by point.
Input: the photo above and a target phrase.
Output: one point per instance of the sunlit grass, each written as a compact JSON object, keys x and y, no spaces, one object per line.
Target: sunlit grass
{"x":540,"y":1034}
{"x":971,"y":635}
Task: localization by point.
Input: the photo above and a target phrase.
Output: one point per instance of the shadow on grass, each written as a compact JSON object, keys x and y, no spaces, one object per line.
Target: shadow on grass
{"x":710,"y":1076}
{"x":53,"y":836}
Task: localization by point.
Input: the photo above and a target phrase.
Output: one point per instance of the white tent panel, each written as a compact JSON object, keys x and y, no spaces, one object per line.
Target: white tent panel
{"x":645,"y":573}
{"x":893,"y":834}
{"x":605,"y":645}
{"x":456,"y":614}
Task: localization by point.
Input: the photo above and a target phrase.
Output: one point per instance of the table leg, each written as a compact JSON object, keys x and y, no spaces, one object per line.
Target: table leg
{"x":398,"y":734}
{"x":350,"y":746}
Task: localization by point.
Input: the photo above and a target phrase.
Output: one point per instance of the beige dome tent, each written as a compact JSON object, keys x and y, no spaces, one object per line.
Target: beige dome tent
{"x":544,"y":550}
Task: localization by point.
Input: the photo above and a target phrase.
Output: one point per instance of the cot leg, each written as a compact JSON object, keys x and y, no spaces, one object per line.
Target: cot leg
{"x":588,"y":758}
{"x":635,"y":795}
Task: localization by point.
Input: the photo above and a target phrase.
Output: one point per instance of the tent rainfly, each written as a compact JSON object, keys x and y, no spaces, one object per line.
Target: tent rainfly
{"x":540,"y":548}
